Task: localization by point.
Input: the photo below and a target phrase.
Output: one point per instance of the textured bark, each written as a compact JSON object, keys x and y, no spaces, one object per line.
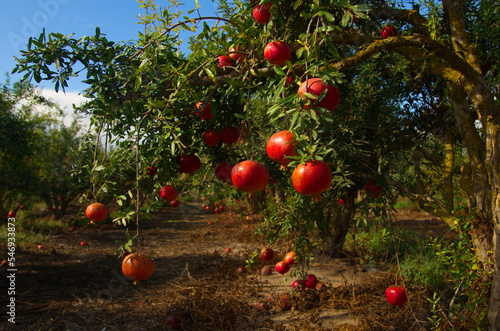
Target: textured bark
{"x":339,"y":221}
{"x":449,"y":160}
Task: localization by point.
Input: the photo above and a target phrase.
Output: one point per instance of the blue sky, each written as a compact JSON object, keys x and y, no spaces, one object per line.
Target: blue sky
{"x":116,"y":18}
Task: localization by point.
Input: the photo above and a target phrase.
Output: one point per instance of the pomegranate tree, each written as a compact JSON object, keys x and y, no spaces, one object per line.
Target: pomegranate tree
{"x":315,"y":88}
{"x":280,"y":145}
{"x":312,"y":178}
{"x":249,"y":176}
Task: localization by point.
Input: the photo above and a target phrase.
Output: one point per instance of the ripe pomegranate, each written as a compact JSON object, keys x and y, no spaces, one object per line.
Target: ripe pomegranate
{"x":138,"y":266}
{"x":189,"y":164}
{"x":174,"y":203}
{"x":152,"y":171}
{"x":372,"y":189}
{"x":280,"y":145}
{"x":224,"y":61}
{"x":290,"y":258}
{"x":22,"y":207}
{"x":277,"y":52}
{"x":96,"y":212}
{"x":210,"y":137}
{"x":223,"y":171}
{"x":229,"y":135}
{"x":396,"y":295}
{"x":266,"y":254}
{"x":249,"y":176}
{"x":298,"y":285}
{"x":315,"y":86}
{"x":173,"y":322}
{"x":205,"y":113}
{"x":311,"y":281}
{"x":83,"y":243}
{"x":312,"y":178}
{"x":282,"y":267}
{"x":266,"y":270}
{"x":262,"y":13}
{"x":389,"y":31}
{"x":236,"y":55}
{"x":168,"y":193}
{"x":11,"y":214}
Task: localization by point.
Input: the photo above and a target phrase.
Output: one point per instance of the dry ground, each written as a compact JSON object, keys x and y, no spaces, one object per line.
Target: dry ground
{"x":66,"y":286}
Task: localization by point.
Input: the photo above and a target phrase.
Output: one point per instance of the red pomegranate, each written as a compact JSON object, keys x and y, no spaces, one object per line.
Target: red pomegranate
{"x":249,"y":176}
{"x":210,"y":137}
{"x":280,"y":145}
{"x":315,"y":86}
{"x":96,"y":212}
{"x":236,"y":55}
{"x":223,"y":171}
{"x":389,"y":31}
{"x":229,"y":135}
{"x":277,"y":52}
{"x":262,"y":13}
{"x":168,"y":193}
{"x":312,"y":178}
{"x":224,"y":61}
{"x":205,"y":113}
{"x":189,"y":164}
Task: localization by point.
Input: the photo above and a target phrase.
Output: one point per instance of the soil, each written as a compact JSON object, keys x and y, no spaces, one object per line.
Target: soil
{"x":67,"y":286}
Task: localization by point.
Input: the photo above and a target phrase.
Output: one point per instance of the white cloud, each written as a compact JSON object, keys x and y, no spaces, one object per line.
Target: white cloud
{"x":66,"y":102}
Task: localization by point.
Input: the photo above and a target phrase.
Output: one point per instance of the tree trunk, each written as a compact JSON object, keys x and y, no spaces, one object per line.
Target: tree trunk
{"x":338,"y":221}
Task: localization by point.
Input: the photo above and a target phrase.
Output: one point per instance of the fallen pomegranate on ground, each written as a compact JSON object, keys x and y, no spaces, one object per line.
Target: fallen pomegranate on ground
{"x":396,"y":295}
{"x":266,"y":254}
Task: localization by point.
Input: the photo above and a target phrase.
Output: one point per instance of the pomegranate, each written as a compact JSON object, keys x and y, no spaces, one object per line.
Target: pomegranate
{"x":206,"y":112}
{"x":224,"y":61}
{"x":298,"y":285}
{"x":168,"y":193}
{"x":236,"y":55}
{"x":290,"y":258}
{"x":152,"y":171}
{"x":312,"y":178}
{"x":223,"y":171}
{"x":280,"y":145}
{"x":138,"y":266}
{"x":96,"y":212}
{"x":173,"y":322}
{"x":311,"y":281}
{"x":262,"y":13}
{"x":266,"y":270}
{"x":315,"y":86}
{"x":282,"y":267}
{"x":210,"y":137}
{"x":249,"y":176}
{"x":277,"y":52}
{"x":174,"y":203}
{"x":372,"y":189}
{"x":11,"y":214}
{"x":396,"y":295}
{"x":266,"y":254}
{"x":229,"y":135}
{"x":389,"y":31}
{"x":189,"y":164}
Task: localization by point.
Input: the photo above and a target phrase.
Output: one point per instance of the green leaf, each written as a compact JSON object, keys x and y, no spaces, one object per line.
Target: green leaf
{"x":362,"y":7}
{"x":346,"y":18}
{"x":279,"y":71}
